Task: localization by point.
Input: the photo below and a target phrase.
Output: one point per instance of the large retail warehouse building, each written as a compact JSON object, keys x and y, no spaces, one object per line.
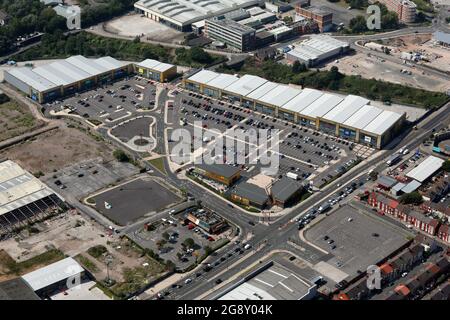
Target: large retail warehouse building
{"x":75,"y":74}
{"x":65,"y":77}
{"x":350,"y":117}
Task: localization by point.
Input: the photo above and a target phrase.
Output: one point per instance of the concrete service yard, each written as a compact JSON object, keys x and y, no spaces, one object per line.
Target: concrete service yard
{"x":135,"y":25}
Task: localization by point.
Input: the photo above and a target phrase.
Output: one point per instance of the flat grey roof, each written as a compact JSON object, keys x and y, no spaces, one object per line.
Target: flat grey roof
{"x":382,"y":122}
{"x":16,"y":289}
{"x":274,"y":283}
{"x":321,"y":106}
{"x":251,"y":192}
{"x":344,"y":110}
{"x":32,"y":79}
{"x":302,"y":100}
{"x":411,"y":186}
{"x":224,"y":170}
{"x":386,"y":181}
{"x":362,"y":117}
{"x":442,"y":36}
{"x":425,"y":169}
{"x":284,"y":188}
{"x":245,"y":85}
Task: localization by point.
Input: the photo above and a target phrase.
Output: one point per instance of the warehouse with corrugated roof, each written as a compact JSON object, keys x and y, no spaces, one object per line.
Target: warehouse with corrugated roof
{"x":350,"y":117}
{"x":65,"y":77}
{"x":77,"y":73}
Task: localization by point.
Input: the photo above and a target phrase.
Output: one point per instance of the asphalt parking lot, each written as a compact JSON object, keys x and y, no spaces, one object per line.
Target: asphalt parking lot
{"x":178,"y":234}
{"x":81,"y":179}
{"x":301,"y":149}
{"x":355,"y":240}
{"x":133,"y":200}
{"x":111,"y":103}
{"x":132,"y":128}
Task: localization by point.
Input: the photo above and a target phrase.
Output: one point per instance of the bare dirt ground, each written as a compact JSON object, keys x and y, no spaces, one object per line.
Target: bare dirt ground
{"x":438,"y":57}
{"x":56,"y":149}
{"x":373,"y":67}
{"x":16,"y":119}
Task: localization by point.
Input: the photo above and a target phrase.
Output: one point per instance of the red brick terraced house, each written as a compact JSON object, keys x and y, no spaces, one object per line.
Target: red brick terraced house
{"x":392,"y":207}
{"x":443,"y":233}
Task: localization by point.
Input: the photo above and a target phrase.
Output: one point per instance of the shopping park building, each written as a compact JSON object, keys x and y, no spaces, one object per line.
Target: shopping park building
{"x":76,"y":74}
{"x":350,"y":117}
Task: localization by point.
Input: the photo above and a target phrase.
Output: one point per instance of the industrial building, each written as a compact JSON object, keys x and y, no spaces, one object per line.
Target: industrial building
{"x":349,"y":117}
{"x":55,"y":277}
{"x":181,"y":14}
{"x":155,"y":70}
{"x":23,"y":197}
{"x":317,"y":50}
{"x":272,"y":281}
{"x":232,"y":33}
{"x":426,"y":169}
{"x":65,"y":77}
{"x":442,"y":38}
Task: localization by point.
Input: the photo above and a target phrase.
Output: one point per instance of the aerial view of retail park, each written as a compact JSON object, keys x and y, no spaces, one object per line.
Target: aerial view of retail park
{"x":224,"y":150}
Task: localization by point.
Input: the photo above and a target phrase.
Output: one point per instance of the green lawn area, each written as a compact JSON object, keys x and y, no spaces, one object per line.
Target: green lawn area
{"x":8,"y":266}
{"x":86,"y":263}
{"x":158,"y":163}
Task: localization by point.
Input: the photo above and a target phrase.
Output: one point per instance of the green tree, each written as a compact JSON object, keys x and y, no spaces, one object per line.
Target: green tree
{"x":170,"y":266}
{"x":411,"y":198}
{"x":189,"y":243}
{"x":165,"y":236}
{"x":298,"y":67}
{"x":200,"y":55}
{"x":121,"y":156}
{"x":446,"y":165}
{"x":358,"y":24}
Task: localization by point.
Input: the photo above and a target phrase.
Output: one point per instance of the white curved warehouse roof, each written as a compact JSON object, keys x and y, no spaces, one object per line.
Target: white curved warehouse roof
{"x":245,"y":85}
{"x":302,"y":100}
{"x":184,"y":11}
{"x":263,"y":90}
{"x":279,"y":95}
{"x":222,"y":81}
{"x":363,"y":117}
{"x":321,"y":106}
{"x":346,"y":109}
{"x":382,"y":122}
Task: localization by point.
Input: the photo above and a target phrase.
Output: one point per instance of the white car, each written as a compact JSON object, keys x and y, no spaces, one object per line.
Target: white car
{"x":188,"y":280}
